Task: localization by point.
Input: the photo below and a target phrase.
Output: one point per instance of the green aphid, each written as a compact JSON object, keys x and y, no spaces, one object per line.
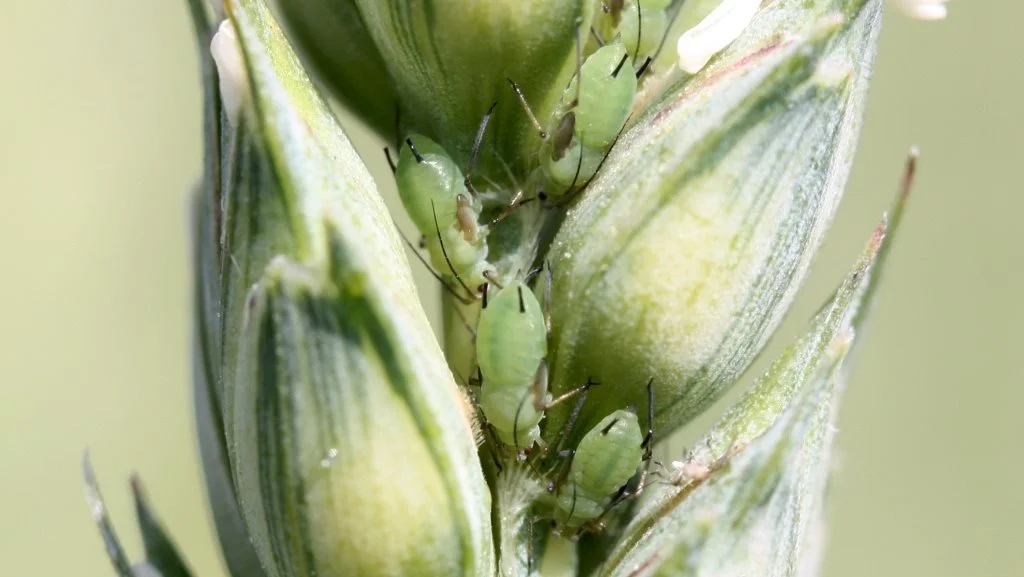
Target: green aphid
{"x":511,"y":344}
{"x":607,"y":86}
{"x":589,"y":117}
{"x":605,"y":460}
{"x":434,"y":192}
{"x":642,"y":28}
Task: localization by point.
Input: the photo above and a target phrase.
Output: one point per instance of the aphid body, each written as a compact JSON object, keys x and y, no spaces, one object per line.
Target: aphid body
{"x":605,"y":460}
{"x":511,"y":343}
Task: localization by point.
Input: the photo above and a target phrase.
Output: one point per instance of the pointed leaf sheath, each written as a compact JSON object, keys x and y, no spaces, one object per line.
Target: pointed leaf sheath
{"x":747,"y":500}
{"x":685,"y":252}
{"x":162,"y":557}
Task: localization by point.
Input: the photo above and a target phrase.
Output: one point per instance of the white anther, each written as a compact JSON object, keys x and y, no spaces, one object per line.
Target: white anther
{"x":923,"y":9}
{"x":716,"y":31}
{"x":234,"y":84}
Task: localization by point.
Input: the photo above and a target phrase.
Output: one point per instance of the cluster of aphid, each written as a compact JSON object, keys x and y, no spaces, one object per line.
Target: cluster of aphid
{"x":511,"y":335}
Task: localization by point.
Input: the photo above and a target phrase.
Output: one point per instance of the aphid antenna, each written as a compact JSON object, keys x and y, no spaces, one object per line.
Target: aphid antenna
{"x":566,"y":465}
{"x":391,"y":162}
{"x":477,"y":143}
{"x":572,"y":509}
{"x":412,"y":147}
{"x":570,"y":394}
{"x":529,"y":111}
{"x":444,"y":251}
{"x":570,"y":194}
{"x":444,"y":284}
{"x":579,"y":166}
{"x":575,"y":414}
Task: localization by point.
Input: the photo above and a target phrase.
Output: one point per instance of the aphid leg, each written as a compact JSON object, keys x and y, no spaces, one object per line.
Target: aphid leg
{"x":529,"y":111}
{"x":532,"y":274}
{"x":648,"y":443}
{"x":477,"y":143}
{"x":576,"y":177}
{"x":597,"y":37}
{"x":520,"y":454}
{"x":547,"y":296}
{"x":440,"y":240}
{"x":447,"y":287}
{"x":492,"y":278}
{"x":540,"y":388}
{"x":515,"y":203}
{"x":570,"y":194}
{"x":574,"y":415}
{"x":391,"y":162}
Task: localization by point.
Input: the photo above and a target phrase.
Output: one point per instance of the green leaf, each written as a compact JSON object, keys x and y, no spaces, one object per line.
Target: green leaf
{"x":747,"y":499}
{"x":161,"y":553}
{"x":98,"y":508}
{"x":338,"y":47}
{"x":343,"y":465}
{"x":710,"y":210}
{"x":297,"y":193}
{"x":162,"y":557}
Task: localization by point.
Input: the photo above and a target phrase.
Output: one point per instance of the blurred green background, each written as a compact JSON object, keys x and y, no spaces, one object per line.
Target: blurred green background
{"x":99,"y":142}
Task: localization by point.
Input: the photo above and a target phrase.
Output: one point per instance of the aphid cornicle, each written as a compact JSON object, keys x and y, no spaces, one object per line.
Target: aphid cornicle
{"x":605,"y":460}
{"x":511,"y":343}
